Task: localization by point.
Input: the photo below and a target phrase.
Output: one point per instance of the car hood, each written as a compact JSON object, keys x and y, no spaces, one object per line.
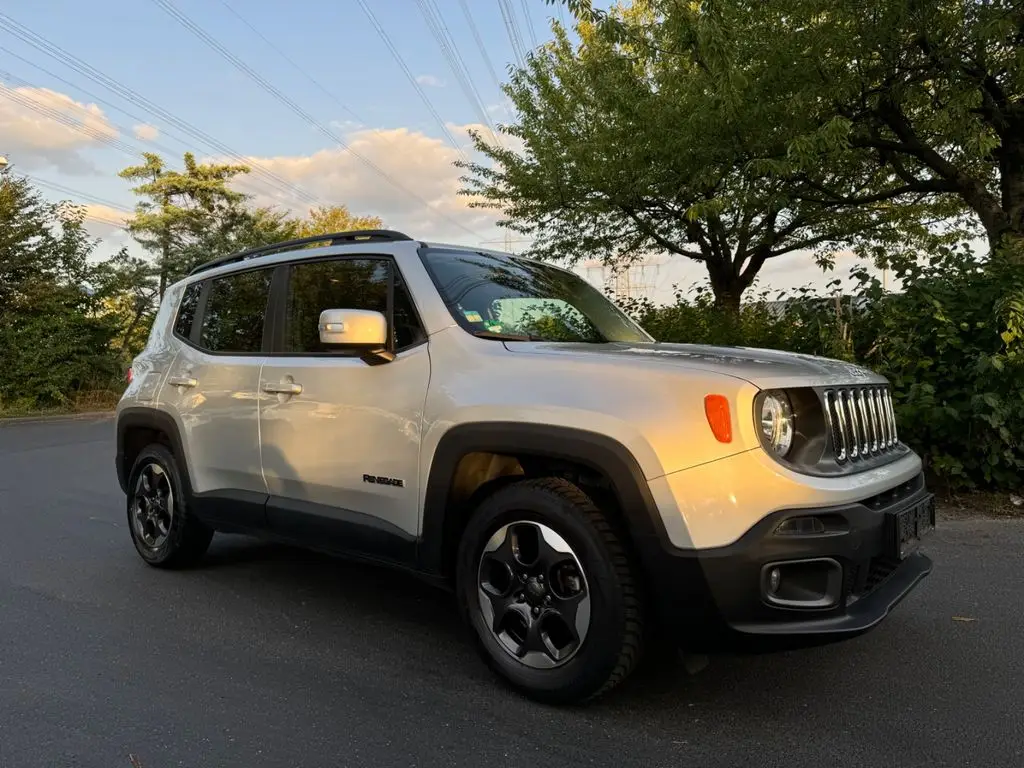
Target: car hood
{"x":764,"y":368}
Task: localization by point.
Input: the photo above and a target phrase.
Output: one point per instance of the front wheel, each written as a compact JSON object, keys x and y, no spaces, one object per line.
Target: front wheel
{"x":547,"y":586}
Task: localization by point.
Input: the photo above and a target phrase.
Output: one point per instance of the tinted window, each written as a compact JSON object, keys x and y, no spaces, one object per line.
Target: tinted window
{"x":343,"y":284}
{"x":506,"y":297}
{"x":187,"y":310}
{"x":234,"y":314}
{"x":408,"y":330}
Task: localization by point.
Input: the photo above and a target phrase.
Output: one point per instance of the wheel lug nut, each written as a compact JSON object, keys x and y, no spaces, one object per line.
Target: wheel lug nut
{"x":519,"y":597}
{"x":535,"y":611}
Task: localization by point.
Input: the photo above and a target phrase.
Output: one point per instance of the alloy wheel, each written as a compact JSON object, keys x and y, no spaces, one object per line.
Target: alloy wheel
{"x":533,"y":594}
{"x":153,"y":506}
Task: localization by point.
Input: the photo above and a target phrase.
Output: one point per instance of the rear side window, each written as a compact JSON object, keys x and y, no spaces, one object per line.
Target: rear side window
{"x":187,"y":310}
{"x":235,"y":312}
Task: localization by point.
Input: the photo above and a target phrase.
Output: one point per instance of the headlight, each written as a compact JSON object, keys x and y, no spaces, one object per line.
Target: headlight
{"x":777,"y":422}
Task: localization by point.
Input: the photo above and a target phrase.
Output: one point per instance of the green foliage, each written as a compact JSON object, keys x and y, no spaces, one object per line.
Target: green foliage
{"x":53,"y":339}
{"x":671,"y":128}
{"x":951,"y":342}
{"x":70,"y":323}
{"x":335,"y":218}
{"x":191,"y":216}
{"x":919,"y":100}
{"x":953,"y":347}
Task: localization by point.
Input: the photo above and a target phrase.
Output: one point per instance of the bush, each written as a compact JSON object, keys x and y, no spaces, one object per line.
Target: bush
{"x":952,"y":346}
{"x":951,"y":343}
{"x":54,"y":351}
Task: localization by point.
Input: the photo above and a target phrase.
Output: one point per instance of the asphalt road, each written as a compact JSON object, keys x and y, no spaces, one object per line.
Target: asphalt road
{"x":268,"y":656}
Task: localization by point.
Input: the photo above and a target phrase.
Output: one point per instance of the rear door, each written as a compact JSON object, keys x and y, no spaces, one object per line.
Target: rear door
{"x":212,"y":389}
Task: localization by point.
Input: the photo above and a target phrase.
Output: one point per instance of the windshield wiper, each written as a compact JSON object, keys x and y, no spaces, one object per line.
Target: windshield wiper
{"x":507,"y":336}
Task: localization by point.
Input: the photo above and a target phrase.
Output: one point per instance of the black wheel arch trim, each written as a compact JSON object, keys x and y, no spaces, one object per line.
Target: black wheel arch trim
{"x":150,"y":419}
{"x":591,"y":449}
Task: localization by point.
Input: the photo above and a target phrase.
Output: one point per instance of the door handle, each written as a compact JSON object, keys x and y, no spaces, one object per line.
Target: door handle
{"x":182,"y":381}
{"x":285,"y":388}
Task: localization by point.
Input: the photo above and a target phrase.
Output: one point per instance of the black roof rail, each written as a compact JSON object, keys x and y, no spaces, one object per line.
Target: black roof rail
{"x":334,"y":238}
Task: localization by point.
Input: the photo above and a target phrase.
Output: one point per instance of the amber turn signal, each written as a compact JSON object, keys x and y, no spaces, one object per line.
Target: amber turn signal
{"x":716,"y":408}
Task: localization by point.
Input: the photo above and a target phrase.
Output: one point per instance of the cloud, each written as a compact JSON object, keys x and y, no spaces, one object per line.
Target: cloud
{"x":33,"y":139}
{"x":431,"y":81}
{"x":421,"y":164}
{"x":146,"y":132}
{"x":342,"y":125}
{"x":103,"y":221}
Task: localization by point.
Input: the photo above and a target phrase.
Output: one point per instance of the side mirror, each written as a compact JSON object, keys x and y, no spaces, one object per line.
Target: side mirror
{"x":357,"y":329}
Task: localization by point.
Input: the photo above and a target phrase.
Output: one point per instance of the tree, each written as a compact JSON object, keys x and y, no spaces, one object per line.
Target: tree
{"x":191,"y":216}
{"x":335,"y":218}
{"x":126,"y":287}
{"x":53,"y":339}
{"x":629,"y":147}
{"x":927,"y":95}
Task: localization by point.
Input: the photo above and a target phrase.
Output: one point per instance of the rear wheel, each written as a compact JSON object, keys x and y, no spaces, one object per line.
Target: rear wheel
{"x":546,"y":584}
{"x":164,"y":532}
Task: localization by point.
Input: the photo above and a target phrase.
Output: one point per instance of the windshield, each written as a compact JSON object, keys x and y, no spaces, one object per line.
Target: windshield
{"x":504,"y":297}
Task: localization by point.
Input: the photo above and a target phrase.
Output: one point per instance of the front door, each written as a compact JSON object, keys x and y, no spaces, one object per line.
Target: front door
{"x":340,"y":438}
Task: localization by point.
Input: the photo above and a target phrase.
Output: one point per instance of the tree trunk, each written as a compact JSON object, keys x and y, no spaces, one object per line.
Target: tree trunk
{"x":727,"y":286}
{"x":729,"y":300}
{"x":1008,"y":239}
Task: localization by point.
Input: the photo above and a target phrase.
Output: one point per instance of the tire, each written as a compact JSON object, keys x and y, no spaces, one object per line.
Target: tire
{"x":181,"y":542}
{"x":498,"y":537}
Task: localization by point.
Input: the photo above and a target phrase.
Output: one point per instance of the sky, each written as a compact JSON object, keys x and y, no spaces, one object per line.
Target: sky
{"x":352,"y":122}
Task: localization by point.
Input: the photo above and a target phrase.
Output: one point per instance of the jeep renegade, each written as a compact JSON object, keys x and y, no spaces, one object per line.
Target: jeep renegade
{"x":496,"y":424}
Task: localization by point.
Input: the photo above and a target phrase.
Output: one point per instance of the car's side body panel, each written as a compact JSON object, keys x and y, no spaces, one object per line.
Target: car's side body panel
{"x":350,"y":440}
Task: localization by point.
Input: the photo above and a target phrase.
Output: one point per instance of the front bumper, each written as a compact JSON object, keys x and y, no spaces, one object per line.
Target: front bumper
{"x":721,"y":596}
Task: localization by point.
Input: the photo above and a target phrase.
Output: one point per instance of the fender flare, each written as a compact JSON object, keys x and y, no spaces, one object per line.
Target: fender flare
{"x":591,"y":449}
{"x":149,"y":418}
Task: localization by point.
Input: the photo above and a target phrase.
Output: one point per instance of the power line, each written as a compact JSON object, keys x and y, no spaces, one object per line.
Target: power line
{"x":78,"y":193}
{"x":96,"y":99}
{"x":270,"y":44}
{"x":54,"y":51}
{"x":442,"y":35}
{"x":90,"y":215}
{"x":64,"y":119}
{"x":480,"y":44}
{"x":409,"y":75}
{"x":508,"y":17}
{"x":529,"y":23}
{"x":199,"y":32}
{"x":323,"y":89}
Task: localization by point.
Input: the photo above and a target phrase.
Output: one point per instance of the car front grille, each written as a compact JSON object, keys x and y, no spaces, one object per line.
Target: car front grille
{"x":861,"y":421}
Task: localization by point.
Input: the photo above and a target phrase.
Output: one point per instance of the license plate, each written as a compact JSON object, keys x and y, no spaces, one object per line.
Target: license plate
{"x":906,"y":528}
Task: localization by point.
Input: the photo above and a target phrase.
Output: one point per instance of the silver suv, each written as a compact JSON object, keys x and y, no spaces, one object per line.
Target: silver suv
{"x":496,"y":425}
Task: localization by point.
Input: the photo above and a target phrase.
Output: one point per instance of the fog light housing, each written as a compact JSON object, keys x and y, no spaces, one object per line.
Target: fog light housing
{"x":815,"y":583}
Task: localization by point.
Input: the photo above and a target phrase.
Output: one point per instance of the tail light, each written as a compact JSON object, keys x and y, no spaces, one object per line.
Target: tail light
{"x":130,"y":375}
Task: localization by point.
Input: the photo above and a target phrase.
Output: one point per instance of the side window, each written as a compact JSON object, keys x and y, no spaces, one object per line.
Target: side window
{"x":343,"y":284}
{"x":187,"y":310}
{"x":234,"y":313}
{"x":408,"y":331}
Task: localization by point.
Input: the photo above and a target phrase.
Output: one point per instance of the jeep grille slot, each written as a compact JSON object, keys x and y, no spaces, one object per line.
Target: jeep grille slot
{"x":861,"y":422}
